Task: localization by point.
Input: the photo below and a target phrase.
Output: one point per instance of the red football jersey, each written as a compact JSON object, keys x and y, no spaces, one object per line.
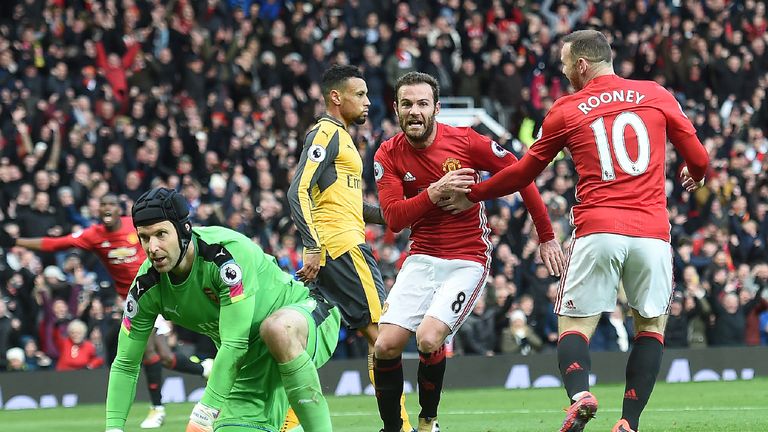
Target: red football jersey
{"x":403,"y":173}
{"x":119,"y":250}
{"x":616,"y":131}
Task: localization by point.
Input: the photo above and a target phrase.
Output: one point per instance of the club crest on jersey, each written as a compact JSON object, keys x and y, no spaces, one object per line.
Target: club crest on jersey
{"x":131,"y":306}
{"x":498,"y":150}
{"x":133,"y":238}
{"x":451,"y":164}
{"x":231,"y":273}
{"x":316,"y":153}
{"x":378,"y":170}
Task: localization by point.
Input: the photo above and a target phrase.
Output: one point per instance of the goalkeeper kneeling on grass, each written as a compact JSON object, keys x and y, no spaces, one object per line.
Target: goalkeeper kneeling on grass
{"x":272,"y":335}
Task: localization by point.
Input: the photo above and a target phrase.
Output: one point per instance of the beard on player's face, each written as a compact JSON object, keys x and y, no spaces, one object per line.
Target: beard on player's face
{"x":361,"y":119}
{"x":418,"y":127}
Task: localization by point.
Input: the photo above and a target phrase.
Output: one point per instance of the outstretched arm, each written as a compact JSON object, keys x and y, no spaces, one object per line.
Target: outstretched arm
{"x":509,"y":180}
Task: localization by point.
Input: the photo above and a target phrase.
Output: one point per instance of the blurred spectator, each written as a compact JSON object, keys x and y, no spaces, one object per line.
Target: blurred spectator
{"x":682,"y":312}
{"x":35,"y":358}
{"x":16,"y":362}
{"x":75,"y":351}
{"x":730,"y":321}
{"x":476,"y":335}
{"x":519,"y":337}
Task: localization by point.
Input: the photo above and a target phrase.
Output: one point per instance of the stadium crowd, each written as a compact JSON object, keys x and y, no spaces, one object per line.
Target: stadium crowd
{"x":213,"y":98}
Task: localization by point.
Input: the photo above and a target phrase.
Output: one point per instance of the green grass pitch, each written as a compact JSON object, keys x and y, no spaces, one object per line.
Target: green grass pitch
{"x":713,"y":406}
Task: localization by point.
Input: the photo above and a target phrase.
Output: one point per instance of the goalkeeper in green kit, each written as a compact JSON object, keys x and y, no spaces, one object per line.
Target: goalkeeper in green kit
{"x":272,"y":335}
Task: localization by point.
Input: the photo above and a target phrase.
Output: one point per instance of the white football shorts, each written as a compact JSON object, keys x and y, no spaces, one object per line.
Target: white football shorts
{"x":598,"y":262}
{"x":443,"y":289}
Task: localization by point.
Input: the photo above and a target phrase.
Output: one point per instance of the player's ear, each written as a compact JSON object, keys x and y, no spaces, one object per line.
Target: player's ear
{"x":437,"y":108}
{"x":583,"y":65}
{"x":335,"y":97}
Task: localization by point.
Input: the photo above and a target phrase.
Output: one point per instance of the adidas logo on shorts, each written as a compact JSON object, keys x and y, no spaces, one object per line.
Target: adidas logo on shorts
{"x":569,"y":305}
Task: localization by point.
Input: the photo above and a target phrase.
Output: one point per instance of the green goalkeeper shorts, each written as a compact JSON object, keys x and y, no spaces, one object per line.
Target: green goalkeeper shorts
{"x":257,"y":401}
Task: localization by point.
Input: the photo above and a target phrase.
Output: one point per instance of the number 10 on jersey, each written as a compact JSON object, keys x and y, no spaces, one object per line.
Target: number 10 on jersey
{"x":633,"y":168}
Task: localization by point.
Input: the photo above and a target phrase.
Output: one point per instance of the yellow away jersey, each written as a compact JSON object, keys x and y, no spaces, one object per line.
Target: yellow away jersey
{"x":326,"y":195}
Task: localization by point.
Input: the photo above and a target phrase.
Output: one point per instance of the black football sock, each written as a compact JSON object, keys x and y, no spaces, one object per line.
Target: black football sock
{"x":154,"y":370}
{"x":388,"y":375}
{"x":431,"y":373}
{"x":574,"y":362}
{"x":642,"y":369}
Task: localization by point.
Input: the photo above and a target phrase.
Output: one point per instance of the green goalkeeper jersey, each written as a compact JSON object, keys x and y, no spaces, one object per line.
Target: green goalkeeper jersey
{"x":232,"y":287}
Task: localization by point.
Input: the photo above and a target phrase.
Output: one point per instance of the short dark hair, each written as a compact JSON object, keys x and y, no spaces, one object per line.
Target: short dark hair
{"x":335,"y":76}
{"x":413,"y":78}
{"x":590,"y":45}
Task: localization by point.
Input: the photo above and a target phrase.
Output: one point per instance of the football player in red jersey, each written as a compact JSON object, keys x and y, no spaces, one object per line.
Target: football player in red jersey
{"x":445,"y":272}
{"x":115,"y":242}
{"x":616,"y":131}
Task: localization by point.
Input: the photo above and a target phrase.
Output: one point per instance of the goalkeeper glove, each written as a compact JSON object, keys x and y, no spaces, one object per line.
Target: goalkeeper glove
{"x":202,"y":418}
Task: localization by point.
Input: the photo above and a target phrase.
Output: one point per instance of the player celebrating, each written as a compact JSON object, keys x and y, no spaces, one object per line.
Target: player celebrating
{"x":271,"y":335}
{"x":616,"y":131}
{"x":115,"y":242}
{"x":445,"y":273}
{"x":327,"y":206}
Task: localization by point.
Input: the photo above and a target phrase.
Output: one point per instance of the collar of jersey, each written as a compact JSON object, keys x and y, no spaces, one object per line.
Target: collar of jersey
{"x":191,"y":271}
{"x":332,"y":119}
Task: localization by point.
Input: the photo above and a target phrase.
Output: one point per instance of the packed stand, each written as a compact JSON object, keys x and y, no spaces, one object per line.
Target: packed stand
{"x":213,"y":97}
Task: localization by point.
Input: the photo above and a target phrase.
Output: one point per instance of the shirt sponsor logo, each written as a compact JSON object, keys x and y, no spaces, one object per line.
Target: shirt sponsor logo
{"x":121,"y":252}
{"x":316,"y":153}
{"x":353,"y":182}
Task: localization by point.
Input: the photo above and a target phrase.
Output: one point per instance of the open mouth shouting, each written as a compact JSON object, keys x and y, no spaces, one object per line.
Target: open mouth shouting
{"x":414,"y":125}
{"x":107,"y":217}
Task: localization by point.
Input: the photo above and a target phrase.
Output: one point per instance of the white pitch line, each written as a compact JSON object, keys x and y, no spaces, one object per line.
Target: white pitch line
{"x":45,"y":421}
{"x":555,"y":411}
